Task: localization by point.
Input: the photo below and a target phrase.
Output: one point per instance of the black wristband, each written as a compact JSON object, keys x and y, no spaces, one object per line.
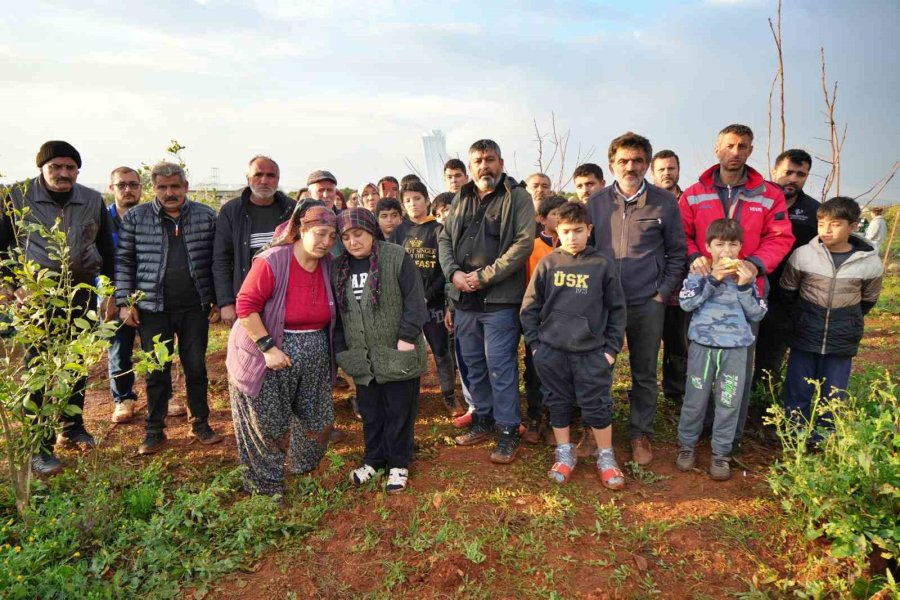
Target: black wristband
{"x":265,"y":342}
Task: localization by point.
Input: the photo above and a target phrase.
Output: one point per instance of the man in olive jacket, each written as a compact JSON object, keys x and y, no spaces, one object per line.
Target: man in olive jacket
{"x":483,"y":248}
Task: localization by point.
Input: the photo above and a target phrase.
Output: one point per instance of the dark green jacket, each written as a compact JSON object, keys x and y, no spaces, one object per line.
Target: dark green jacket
{"x":370,"y":333}
{"x":504,"y":280}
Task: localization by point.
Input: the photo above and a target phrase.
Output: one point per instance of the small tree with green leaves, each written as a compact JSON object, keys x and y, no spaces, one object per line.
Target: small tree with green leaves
{"x":64,"y":338}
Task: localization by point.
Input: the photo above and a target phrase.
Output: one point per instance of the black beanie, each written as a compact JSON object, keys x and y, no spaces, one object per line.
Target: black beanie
{"x":57,"y":149}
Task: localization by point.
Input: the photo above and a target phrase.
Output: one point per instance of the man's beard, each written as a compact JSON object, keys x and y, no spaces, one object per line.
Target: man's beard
{"x":487,"y":182}
{"x":129,"y":202}
{"x":262,"y":193}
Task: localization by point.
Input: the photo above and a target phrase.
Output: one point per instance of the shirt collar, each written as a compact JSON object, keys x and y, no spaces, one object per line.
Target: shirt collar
{"x":636,"y":195}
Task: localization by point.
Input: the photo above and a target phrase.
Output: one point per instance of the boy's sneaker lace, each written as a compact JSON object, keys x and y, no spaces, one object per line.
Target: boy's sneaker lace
{"x":686,"y":459}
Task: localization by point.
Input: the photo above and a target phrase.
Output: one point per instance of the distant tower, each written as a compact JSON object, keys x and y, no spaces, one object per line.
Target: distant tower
{"x":214,"y":178}
{"x":435,"y":145}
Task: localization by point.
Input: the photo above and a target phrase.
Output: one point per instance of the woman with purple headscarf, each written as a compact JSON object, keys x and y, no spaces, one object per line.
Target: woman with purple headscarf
{"x":279,"y":362}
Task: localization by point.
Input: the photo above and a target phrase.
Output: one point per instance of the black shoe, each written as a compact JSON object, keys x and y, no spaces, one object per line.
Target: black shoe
{"x":204,"y":434}
{"x":153,"y":442}
{"x":355,"y":406}
{"x":507,"y":447}
{"x":479,"y":431}
{"x":45,"y":464}
{"x":75,"y":439}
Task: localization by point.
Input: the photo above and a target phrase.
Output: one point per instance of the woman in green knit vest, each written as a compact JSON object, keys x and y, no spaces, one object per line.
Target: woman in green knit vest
{"x":379,"y":343}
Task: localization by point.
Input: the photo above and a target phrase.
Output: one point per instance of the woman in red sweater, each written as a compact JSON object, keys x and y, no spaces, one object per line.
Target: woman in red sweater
{"x":279,"y":354}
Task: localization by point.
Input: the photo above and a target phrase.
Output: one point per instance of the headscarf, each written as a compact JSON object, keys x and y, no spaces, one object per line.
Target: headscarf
{"x":318,"y":215}
{"x":361,"y":218}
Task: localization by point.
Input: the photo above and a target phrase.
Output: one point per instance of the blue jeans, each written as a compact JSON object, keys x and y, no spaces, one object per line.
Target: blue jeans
{"x":121,"y":376}
{"x":489,"y":342}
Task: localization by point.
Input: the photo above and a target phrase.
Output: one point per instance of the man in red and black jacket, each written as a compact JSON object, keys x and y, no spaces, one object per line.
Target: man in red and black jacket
{"x":732,"y":189}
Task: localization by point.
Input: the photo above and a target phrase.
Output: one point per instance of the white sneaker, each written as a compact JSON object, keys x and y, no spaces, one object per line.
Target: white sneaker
{"x":363,"y":474}
{"x":397,"y":480}
{"x":123,"y":412}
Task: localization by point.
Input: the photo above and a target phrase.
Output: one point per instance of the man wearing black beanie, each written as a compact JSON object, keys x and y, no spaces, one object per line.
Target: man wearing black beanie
{"x":54,"y":195}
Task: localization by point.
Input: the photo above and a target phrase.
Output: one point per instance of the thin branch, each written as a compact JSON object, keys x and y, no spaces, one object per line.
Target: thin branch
{"x":776,"y":35}
{"x":884,"y":181}
{"x":769,"y":136}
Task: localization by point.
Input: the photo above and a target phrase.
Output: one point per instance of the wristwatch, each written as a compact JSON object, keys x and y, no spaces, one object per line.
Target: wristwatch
{"x":265,"y":342}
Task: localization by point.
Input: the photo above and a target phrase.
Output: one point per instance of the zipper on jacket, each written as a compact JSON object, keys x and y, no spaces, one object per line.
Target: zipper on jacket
{"x":830,"y":301}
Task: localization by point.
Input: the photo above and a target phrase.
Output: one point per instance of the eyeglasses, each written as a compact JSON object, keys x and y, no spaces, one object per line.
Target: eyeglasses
{"x":131,"y":185}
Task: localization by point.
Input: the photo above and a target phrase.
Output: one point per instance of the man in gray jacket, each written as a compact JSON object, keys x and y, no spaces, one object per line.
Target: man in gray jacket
{"x":640,"y":224}
{"x":483,"y":248}
{"x":53,"y":195}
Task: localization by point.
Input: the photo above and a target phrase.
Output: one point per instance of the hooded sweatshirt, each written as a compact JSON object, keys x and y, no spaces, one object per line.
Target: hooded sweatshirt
{"x":575,"y":303}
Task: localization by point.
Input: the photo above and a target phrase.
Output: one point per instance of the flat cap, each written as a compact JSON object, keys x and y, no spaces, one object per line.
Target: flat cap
{"x":321,"y":175}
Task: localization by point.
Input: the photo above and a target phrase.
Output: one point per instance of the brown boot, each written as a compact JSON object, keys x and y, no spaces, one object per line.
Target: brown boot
{"x":532,"y":433}
{"x":641,"y":452}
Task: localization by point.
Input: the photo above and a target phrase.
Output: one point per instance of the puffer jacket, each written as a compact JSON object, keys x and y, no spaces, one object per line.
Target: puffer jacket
{"x":760,"y":208}
{"x":828,"y":304}
{"x":144,"y":245}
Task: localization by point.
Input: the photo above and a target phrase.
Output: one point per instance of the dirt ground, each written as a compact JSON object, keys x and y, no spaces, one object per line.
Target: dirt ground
{"x":469,"y":528}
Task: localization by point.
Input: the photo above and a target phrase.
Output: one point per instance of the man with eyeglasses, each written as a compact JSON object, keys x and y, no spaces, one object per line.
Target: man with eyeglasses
{"x":125,"y":186}
{"x":55,"y":196}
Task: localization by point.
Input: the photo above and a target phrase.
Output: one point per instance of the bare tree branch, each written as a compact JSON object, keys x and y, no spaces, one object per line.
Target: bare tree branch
{"x":884,"y":181}
{"x":780,"y":74}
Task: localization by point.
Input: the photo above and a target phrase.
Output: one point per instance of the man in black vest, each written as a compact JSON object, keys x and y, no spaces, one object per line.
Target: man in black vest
{"x":53,"y":195}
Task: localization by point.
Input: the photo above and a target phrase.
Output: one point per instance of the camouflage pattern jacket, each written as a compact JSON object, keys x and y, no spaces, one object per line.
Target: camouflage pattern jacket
{"x":722,"y":311}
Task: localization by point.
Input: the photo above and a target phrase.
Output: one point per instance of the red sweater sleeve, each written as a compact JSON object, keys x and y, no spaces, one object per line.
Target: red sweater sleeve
{"x":256,"y":289}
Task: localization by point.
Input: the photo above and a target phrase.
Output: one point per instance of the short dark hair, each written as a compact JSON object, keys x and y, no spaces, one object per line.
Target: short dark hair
{"x":123,"y":171}
{"x":409,"y":179}
{"x":572,"y":212}
{"x":386,"y":204}
{"x":390,"y":178}
{"x":738,"y":129}
{"x":633,"y":141}
{"x":727,"y":230}
{"x":665,"y":154}
{"x":440,"y":201}
{"x":548,"y":204}
{"x":485,"y":145}
{"x":588,"y":169}
{"x":796,"y":156}
{"x":414,"y":186}
{"x":840,"y":207}
{"x":454,"y":164}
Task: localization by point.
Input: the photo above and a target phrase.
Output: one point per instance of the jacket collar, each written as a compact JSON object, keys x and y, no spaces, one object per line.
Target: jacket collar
{"x":755,"y":181}
{"x":75,"y":198}
{"x":861,"y":245}
{"x":470,"y":189}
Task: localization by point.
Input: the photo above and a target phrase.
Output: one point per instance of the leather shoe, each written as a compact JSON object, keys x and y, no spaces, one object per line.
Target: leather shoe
{"x":45,"y":464}
{"x":641,"y":451}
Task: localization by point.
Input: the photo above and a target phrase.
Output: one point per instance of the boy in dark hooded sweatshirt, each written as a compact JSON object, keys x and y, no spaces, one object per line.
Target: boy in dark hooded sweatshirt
{"x":573,"y":316}
{"x":419,"y":237}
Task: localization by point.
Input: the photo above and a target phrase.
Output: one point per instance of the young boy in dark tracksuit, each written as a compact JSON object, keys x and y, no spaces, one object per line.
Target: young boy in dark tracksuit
{"x":832,"y":282}
{"x":419,"y":237}
{"x":573,"y":316}
{"x":723,"y":303}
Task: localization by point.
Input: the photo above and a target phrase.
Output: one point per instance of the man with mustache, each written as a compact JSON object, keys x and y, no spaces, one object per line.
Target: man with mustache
{"x":125,"y":186}
{"x":165,"y":251}
{"x":734,"y":190}
{"x":791,"y":172}
{"x":244,"y":226}
{"x":640,"y":225}
{"x":54,"y":195}
{"x":486,"y":241}
{"x":666,"y":169}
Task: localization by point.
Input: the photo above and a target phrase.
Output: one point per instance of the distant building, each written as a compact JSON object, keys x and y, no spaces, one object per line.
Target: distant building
{"x":435,"y":145}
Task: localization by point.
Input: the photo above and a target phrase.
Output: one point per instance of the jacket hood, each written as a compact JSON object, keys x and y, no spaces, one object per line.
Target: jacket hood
{"x":861,"y":245}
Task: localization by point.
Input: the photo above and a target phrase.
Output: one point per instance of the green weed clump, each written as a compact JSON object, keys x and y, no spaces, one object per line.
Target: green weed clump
{"x":845,"y":487}
{"x":137,"y":536}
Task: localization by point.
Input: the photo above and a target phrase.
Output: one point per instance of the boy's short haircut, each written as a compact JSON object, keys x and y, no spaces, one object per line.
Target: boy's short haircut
{"x":726,"y":230}
{"x":407,"y":179}
{"x":548,"y":204}
{"x":387,"y":204}
{"x":414,"y":186}
{"x":573,"y":213}
{"x":840,"y":207}
{"x":440,"y":201}
{"x":588,"y":169}
{"x":454,"y":164}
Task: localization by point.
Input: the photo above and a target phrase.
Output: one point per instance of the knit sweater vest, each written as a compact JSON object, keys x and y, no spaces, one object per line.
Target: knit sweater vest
{"x":371,"y":332}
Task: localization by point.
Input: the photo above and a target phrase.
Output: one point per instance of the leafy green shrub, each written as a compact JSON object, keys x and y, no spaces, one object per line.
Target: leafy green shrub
{"x":848,"y":489}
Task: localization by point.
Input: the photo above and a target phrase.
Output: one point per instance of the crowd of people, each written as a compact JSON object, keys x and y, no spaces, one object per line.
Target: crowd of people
{"x":319,"y":291}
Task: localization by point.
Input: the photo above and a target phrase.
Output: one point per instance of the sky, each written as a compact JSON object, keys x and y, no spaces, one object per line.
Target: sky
{"x":352,"y":86}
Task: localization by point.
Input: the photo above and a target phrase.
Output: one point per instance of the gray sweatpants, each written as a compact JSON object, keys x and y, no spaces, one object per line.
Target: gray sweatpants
{"x":718,"y":371}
